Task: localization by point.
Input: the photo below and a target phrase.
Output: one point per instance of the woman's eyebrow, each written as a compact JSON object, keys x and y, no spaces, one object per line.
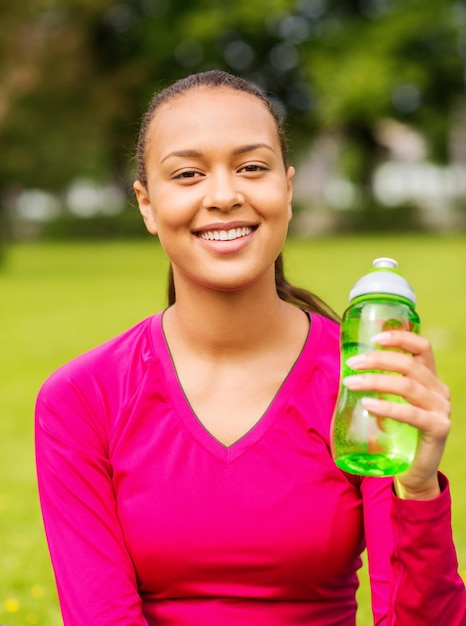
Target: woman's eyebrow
{"x":196,"y":154}
{"x":251,"y":147}
{"x":183,"y":153}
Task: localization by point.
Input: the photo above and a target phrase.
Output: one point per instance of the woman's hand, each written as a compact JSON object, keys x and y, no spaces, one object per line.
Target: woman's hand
{"x":428,"y":407}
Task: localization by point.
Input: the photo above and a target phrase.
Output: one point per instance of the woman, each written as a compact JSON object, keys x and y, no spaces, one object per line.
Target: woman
{"x":184,"y":466}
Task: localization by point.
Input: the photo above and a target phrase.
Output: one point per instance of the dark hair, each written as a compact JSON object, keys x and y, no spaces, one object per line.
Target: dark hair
{"x":220,"y":79}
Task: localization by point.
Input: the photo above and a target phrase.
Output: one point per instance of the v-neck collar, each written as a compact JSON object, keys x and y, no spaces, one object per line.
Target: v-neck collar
{"x":185,"y":413}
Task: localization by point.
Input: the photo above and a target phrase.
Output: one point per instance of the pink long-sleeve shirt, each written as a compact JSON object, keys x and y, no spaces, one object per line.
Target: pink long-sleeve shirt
{"x":151,"y":521}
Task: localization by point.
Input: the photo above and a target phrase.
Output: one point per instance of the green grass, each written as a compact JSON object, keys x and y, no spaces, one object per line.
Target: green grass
{"x":59,"y":300}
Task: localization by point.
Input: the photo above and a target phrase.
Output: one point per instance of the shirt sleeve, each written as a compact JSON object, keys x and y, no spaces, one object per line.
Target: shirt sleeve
{"x":95,"y":576}
{"x":412,"y":560}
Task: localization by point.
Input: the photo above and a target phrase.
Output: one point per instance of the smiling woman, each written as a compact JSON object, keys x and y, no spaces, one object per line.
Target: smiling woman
{"x":209,"y":186}
{"x":238,"y":87}
{"x":185,"y":465}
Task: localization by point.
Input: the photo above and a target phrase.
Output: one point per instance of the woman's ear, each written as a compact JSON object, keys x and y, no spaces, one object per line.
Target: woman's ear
{"x":145,"y":207}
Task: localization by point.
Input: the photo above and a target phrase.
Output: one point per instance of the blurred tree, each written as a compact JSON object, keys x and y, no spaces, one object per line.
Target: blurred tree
{"x":53,"y":128}
{"x":403,"y":59}
{"x":77,"y":74}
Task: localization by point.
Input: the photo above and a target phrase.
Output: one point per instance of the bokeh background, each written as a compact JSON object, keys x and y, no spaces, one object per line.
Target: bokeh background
{"x":373,"y":93}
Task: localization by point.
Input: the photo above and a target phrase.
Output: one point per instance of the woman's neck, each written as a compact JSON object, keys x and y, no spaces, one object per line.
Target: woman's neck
{"x":229,"y":323}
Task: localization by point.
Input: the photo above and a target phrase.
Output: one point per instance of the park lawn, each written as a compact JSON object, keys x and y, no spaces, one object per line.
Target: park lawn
{"x":58,"y":300}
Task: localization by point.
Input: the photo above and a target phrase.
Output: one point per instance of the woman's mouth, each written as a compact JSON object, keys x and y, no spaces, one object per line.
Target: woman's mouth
{"x":226,"y":235}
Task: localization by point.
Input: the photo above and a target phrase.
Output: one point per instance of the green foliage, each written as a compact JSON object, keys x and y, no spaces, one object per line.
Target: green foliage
{"x":375,"y":219}
{"x":59,"y":300}
{"x":126,"y":225}
{"x":77,"y":75}
{"x":357,"y":68}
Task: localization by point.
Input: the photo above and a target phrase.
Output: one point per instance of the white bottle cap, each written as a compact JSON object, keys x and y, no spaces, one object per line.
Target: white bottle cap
{"x":384,"y":278}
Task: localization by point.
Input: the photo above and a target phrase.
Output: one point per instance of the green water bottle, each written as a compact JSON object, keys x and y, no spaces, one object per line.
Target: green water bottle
{"x":363,"y":443}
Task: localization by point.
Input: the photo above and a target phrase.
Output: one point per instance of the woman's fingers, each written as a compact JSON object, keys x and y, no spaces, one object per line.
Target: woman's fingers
{"x":419,"y":347}
{"x":411,"y":356}
{"x":433,"y":424}
{"x":410,"y":376}
{"x":430,"y":397}
{"x":406,"y":368}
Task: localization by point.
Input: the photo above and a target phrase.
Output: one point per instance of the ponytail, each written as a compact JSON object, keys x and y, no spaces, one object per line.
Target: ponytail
{"x":300,"y":297}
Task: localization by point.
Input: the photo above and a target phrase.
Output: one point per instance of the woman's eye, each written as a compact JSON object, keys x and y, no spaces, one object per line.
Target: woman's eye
{"x":187,"y":174}
{"x":253,"y":167}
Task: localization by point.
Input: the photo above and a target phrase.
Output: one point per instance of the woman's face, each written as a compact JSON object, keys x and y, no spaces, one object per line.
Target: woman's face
{"x":218,"y":194}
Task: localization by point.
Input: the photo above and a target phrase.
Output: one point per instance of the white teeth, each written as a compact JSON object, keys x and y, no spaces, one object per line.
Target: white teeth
{"x":223,"y":235}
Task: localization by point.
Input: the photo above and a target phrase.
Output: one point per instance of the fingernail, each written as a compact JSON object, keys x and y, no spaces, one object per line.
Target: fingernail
{"x":381,"y":338}
{"x":371,"y":404}
{"x":352,"y":382}
{"x":358,"y":360}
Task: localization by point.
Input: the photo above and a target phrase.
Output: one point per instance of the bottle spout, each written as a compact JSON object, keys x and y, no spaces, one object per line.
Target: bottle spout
{"x":385,"y":262}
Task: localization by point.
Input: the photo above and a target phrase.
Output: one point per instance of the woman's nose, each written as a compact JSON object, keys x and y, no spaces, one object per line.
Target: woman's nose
{"x":222,"y":192}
